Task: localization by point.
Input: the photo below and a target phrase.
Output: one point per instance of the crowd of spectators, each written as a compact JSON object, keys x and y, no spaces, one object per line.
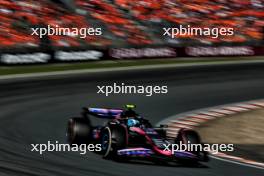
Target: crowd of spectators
{"x":17,"y":18}
{"x":245,"y":17}
{"x":137,"y":22}
{"x":118,"y":22}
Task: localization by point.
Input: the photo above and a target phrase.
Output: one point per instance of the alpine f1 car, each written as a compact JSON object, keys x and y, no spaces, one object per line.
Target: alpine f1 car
{"x":128,"y":135}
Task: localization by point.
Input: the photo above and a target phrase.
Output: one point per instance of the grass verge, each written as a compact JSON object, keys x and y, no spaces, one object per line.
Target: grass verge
{"x":21,"y":69}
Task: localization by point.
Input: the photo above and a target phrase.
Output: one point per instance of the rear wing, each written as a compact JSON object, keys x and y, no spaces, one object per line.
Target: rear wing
{"x":103,"y":112}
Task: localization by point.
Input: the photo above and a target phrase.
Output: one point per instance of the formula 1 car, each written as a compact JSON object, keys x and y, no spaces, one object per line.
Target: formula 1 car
{"x":127,"y":135}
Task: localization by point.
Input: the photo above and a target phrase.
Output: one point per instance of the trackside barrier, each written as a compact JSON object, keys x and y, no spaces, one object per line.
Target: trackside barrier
{"x":44,"y":56}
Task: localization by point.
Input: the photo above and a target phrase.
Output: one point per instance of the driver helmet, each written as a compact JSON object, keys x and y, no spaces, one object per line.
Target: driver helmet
{"x":132,"y":122}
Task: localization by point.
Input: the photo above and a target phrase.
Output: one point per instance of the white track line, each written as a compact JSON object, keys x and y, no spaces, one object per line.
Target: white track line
{"x":248,"y":106}
{"x":125,"y":68}
{"x":223,"y":111}
{"x":236,"y":109}
{"x":181,"y":122}
{"x":236,"y":162}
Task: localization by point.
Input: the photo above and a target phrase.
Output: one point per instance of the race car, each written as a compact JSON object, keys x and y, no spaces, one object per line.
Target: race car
{"x":128,"y":135}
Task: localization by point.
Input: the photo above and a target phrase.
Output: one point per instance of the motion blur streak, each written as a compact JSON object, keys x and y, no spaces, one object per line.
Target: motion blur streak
{"x":36,"y":111}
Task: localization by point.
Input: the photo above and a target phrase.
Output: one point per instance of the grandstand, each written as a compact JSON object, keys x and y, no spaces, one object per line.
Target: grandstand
{"x":124,"y":22}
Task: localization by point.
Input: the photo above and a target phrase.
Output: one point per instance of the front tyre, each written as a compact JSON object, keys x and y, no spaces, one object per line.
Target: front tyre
{"x":188,"y":137}
{"x":112,"y":139}
{"x":106,"y":141}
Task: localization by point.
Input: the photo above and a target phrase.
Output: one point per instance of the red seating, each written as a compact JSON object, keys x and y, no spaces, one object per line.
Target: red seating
{"x":127,"y":20}
{"x":210,"y":13}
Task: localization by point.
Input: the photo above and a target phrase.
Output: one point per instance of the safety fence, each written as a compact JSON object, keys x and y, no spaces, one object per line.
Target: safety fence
{"x":48,"y":55}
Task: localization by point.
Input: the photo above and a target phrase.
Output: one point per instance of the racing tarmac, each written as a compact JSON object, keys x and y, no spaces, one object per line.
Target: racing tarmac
{"x":36,"y":111}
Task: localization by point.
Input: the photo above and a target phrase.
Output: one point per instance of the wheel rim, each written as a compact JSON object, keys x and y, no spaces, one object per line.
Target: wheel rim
{"x":106,"y":142}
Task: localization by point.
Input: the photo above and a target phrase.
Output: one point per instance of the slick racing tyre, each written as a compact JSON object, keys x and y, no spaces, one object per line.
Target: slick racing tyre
{"x":112,"y":139}
{"x":78,"y":131}
{"x":188,"y":137}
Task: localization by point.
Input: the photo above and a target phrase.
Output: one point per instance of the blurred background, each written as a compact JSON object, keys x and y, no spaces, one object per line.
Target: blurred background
{"x":131,"y":30}
{"x":129,"y":23}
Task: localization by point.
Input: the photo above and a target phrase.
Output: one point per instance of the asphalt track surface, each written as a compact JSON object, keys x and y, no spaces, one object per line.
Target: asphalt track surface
{"x":36,"y":111}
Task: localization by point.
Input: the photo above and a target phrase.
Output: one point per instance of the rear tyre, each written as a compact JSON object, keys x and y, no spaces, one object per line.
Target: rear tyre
{"x":78,"y":131}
